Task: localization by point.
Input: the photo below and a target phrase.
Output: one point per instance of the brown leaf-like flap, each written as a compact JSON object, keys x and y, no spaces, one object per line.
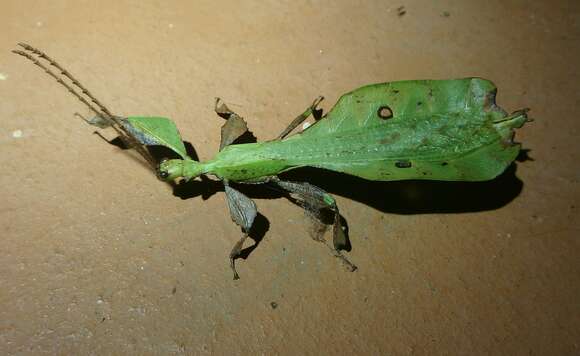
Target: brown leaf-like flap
{"x":234,"y":127}
{"x":242,"y":209}
{"x":308,"y":195}
{"x":314,"y":200}
{"x":339,"y":239}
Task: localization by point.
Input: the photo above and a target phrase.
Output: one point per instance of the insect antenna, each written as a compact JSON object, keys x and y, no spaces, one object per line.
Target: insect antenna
{"x":100,"y":109}
{"x":92,"y":103}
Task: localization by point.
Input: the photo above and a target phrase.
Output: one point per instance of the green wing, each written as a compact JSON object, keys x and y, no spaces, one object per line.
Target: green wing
{"x":427,"y":129}
{"x":159,"y":131}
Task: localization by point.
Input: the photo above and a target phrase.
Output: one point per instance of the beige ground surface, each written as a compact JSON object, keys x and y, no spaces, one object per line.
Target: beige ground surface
{"x":99,"y":257}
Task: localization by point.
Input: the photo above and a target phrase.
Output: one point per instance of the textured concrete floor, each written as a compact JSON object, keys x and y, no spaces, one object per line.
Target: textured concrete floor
{"x":97,"y":256}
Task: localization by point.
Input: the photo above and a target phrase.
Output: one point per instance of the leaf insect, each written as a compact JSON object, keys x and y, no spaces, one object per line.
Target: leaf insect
{"x":448,"y":130}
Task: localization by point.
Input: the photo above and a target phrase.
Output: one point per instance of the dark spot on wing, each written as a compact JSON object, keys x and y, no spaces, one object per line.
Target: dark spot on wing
{"x":489,"y":100}
{"x":403,"y":164}
{"x":385,"y":112}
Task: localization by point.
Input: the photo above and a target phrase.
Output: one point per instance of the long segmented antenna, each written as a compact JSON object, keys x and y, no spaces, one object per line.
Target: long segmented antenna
{"x":104,"y":112}
{"x":94,"y":105}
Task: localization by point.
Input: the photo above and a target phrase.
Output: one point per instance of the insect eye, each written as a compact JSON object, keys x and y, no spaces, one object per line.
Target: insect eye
{"x":163,"y":174}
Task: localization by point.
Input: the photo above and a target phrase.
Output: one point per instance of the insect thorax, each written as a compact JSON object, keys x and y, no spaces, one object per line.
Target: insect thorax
{"x":178,"y":168}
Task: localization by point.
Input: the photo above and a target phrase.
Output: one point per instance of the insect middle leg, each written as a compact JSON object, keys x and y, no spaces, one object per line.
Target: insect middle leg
{"x":236,"y":126}
{"x":243,"y":212}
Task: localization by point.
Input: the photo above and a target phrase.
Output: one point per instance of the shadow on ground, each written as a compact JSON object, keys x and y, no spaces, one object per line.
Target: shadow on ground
{"x":399,"y":197}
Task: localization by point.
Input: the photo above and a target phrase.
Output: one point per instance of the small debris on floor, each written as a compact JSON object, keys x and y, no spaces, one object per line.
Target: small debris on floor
{"x":274,"y":305}
{"x":401,"y":11}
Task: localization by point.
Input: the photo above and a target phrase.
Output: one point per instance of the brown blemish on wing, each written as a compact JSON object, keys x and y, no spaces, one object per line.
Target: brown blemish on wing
{"x":391,"y":139}
{"x":489,"y":101}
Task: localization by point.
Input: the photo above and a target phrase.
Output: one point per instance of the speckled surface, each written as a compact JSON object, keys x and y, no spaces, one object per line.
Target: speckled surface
{"x":97,"y":256}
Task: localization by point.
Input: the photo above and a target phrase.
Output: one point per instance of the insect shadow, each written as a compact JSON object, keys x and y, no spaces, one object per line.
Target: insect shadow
{"x":417,"y":196}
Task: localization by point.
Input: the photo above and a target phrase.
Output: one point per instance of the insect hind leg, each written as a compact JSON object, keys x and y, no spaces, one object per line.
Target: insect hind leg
{"x":314,"y":201}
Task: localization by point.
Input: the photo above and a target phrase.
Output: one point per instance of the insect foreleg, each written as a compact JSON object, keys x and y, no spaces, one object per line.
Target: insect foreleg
{"x":314,"y":200}
{"x":127,"y":141}
{"x":243,"y":212}
{"x":300,"y":118}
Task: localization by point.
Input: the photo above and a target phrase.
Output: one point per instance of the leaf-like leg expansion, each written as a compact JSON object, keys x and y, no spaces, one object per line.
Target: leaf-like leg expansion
{"x":243,"y":212}
{"x":314,"y":200}
{"x":97,"y":121}
{"x":136,"y":141}
{"x":234,"y":127}
{"x":300,"y":118}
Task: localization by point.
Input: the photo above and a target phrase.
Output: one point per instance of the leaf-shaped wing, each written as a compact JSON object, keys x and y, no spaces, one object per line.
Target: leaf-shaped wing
{"x":158,"y":131}
{"x":374,"y":105}
{"x":424,"y":129}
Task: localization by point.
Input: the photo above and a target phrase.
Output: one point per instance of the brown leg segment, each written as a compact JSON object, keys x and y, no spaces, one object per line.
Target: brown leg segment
{"x":314,"y":200}
{"x":243,"y":212}
{"x":300,"y":118}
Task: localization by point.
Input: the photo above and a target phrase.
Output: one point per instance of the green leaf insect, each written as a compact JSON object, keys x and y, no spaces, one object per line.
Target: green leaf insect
{"x":448,"y":130}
